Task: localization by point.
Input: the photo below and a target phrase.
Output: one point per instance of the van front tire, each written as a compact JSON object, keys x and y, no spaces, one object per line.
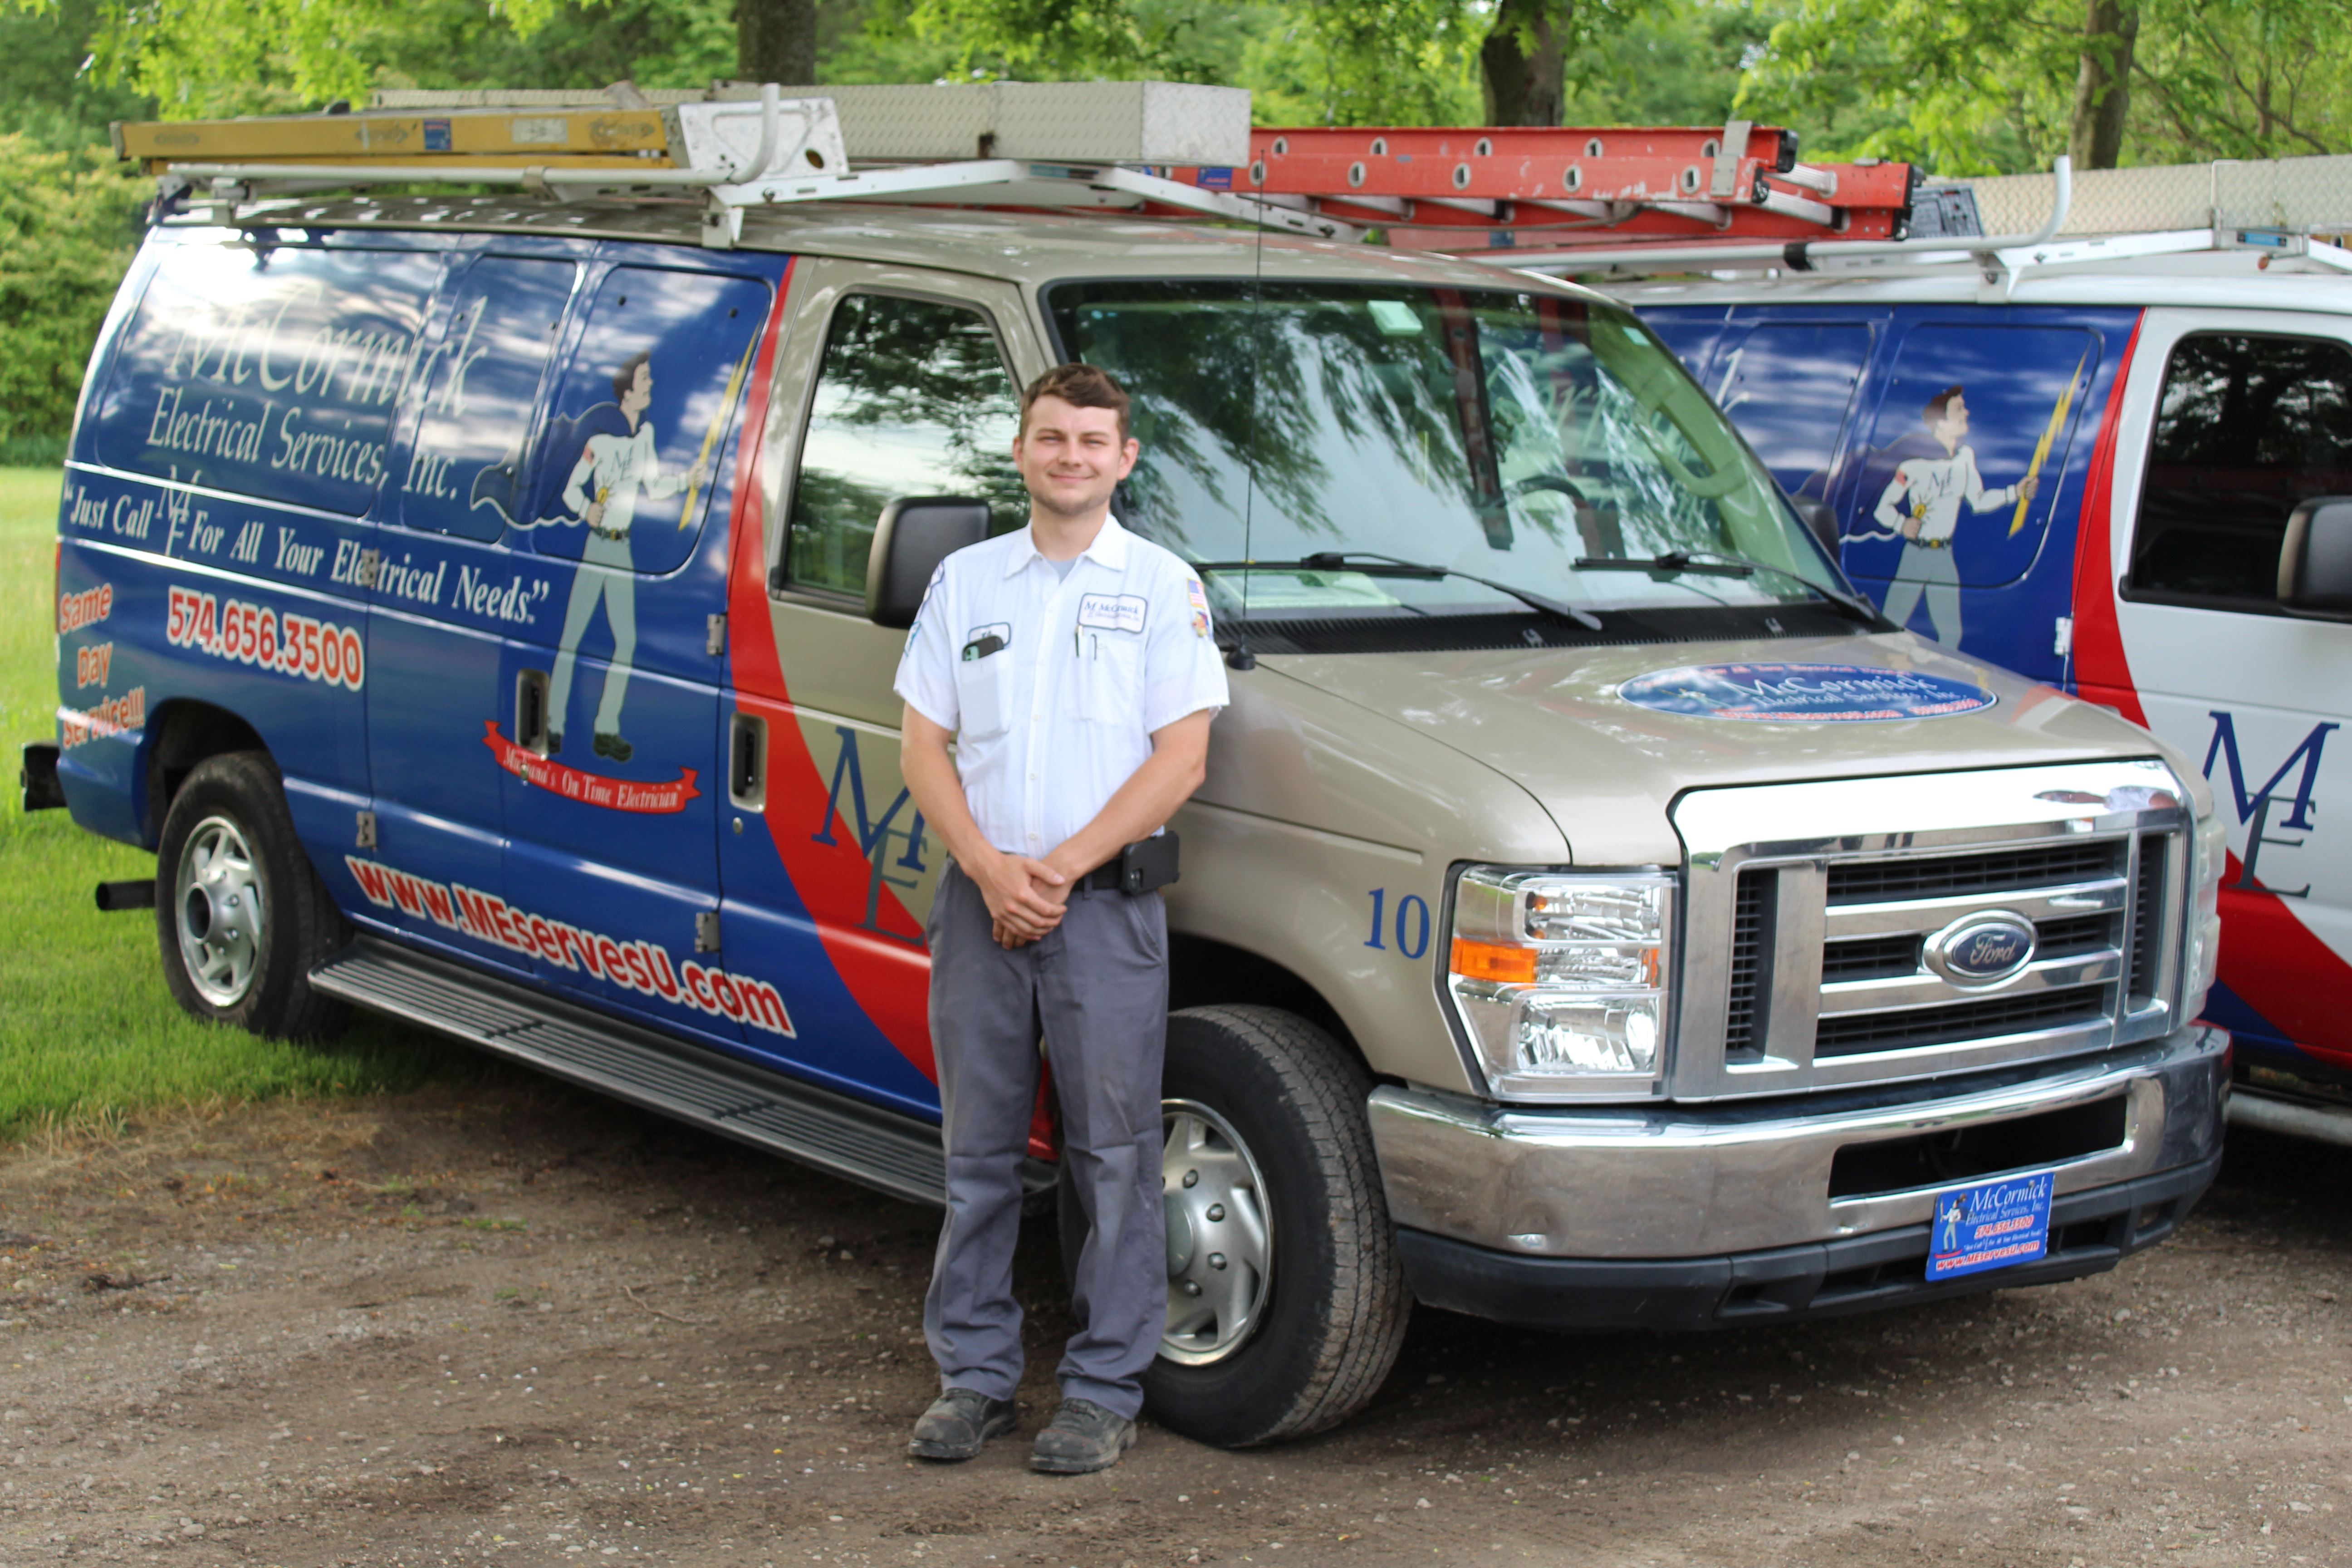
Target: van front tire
{"x":1265,"y":1111}
{"x":240,"y":914}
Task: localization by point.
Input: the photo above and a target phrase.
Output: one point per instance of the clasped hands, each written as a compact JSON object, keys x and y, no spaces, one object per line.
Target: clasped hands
{"x":1026,"y":899}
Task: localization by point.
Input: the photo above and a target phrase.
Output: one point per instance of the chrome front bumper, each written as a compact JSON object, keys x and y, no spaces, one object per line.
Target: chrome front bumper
{"x":1665,"y":1181}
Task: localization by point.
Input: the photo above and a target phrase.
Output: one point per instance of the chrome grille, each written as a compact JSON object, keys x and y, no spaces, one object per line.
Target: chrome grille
{"x":1747,"y":938}
{"x":1815,"y":912}
{"x":2147,"y":915}
{"x":1875,"y":881}
{"x":1851,"y":1034}
{"x":1872,"y":958}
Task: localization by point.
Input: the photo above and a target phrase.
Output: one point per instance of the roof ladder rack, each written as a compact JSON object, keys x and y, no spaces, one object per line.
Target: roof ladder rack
{"x":742,"y":147}
{"x":1481,"y":189}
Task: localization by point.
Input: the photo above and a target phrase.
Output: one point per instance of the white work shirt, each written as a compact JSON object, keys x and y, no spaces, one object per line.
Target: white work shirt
{"x":1931,"y":490}
{"x":1051,"y":723}
{"x":621,"y":466}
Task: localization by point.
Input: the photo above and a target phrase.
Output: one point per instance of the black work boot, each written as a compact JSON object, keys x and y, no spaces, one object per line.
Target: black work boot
{"x":959,"y":1422}
{"x":1083,"y":1438}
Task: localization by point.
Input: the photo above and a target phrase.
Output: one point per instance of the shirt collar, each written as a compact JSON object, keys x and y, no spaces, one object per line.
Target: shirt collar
{"x":1109,"y":549}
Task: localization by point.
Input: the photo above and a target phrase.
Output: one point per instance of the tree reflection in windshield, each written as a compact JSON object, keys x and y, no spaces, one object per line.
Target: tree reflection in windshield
{"x":1498,"y":432}
{"x":912,"y":399}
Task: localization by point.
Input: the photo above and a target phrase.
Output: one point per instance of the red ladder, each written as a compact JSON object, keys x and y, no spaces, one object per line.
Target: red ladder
{"x":1503,"y":187}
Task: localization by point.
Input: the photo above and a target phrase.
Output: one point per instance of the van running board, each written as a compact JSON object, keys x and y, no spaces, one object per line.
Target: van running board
{"x":831,"y":1131}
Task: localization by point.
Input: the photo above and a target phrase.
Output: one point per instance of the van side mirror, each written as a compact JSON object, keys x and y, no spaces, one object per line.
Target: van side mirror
{"x":1817,"y":516}
{"x":2314,"y":574}
{"x":914,"y":534}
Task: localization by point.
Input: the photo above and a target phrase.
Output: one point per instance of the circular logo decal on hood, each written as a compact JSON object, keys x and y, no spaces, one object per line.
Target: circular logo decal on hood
{"x":1814,"y":693}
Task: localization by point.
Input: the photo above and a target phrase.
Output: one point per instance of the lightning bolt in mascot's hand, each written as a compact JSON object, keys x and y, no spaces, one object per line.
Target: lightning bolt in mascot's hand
{"x":529,"y":498}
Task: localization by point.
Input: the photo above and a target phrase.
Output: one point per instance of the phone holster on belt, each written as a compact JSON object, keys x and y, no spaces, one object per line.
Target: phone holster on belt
{"x":1148,"y":865}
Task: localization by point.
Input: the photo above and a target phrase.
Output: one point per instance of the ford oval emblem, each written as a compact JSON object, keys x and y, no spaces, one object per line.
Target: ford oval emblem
{"x":1981,"y":949}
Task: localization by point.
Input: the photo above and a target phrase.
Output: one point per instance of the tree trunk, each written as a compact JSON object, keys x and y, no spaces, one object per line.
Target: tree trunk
{"x":776,"y":41}
{"x":1523,"y":63}
{"x":2102,"y":90}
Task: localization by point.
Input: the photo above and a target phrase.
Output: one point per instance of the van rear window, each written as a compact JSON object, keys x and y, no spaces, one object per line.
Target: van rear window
{"x":270,"y":369}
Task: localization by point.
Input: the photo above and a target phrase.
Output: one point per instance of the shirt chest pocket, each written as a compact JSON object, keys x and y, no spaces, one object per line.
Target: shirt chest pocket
{"x":982,"y":698}
{"x":1110,"y":678}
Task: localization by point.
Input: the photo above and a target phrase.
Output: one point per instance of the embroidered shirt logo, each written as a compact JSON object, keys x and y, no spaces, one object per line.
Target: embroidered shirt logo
{"x":1112,"y":612}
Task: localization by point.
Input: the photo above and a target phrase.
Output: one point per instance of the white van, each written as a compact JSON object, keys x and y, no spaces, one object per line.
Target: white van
{"x":2182,"y":402}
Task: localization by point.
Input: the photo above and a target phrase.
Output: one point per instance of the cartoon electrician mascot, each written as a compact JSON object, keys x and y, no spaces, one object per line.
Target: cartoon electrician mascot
{"x":1921,"y":504}
{"x":616,"y":466}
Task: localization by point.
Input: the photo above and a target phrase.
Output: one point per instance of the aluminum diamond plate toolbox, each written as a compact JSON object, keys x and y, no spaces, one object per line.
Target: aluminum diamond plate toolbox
{"x":2303,"y":195}
{"x":1090,"y":121}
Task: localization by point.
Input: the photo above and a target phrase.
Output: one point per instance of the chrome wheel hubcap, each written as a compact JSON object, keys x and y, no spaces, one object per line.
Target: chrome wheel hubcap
{"x":218,"y":904}
{"x":1219,"y":1235}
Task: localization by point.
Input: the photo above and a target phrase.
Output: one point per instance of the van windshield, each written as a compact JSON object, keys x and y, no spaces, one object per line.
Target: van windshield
{"x":1504,"y":433}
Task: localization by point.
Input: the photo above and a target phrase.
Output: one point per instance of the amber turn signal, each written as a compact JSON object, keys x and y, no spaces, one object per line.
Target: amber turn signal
{"x":1509,"y":964}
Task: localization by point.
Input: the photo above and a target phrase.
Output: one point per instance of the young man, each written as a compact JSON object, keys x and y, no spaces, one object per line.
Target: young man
{"x":1071,"y":664}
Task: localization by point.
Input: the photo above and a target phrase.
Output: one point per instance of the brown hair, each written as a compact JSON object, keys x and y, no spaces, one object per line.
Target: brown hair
{"x":1080,"y":386}
{"x":626,"y":376}
{"x":1938,"y":405}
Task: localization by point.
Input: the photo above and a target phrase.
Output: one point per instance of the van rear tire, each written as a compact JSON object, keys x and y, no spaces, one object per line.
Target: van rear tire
{"x":1277,"y":1106}
{"x":240,"y":914}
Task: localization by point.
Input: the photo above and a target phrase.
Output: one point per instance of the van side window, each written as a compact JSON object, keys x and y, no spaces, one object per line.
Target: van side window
{"x":912,"y":399}
{"x":1789,"y":386}
{"x":269,"y":369}
{"x":479,"y":393}
{"x":2247,"y":425}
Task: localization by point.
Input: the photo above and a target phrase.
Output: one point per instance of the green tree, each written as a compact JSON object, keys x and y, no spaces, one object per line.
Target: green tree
{"x":195,"y":58}
{"x":68,"y":224}
{"x":1342,"y":62}
{"x":462,"y":44}
{"x":776,"y":41}
{"x":2000,"y":86}
{"x":200,"y":58}
{"x":1522,"y":62}
{"x":1677,"y":62}
{"x":46,"y":92}
{"x":2238,"y":81}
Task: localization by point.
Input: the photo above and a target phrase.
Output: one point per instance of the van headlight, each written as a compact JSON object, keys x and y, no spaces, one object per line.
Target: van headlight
{"x":1560,"y":980}
{"x":2208,"y":868}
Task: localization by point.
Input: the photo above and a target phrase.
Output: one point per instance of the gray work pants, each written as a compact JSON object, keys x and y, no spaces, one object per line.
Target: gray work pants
{"x":605,"y":577}
{"x":1935,"y":573}
{"x":1096,"y":989}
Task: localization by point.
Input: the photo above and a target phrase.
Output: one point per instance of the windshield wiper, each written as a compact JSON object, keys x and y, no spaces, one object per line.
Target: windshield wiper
{"x":1372,"y":565}
{"x":1721,"y":563}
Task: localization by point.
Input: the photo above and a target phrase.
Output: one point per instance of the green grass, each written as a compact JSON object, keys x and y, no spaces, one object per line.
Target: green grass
{"x":88,"y":1032}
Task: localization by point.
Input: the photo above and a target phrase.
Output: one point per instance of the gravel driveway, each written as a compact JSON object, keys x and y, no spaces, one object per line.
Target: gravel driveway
{"x":512,"y":1324}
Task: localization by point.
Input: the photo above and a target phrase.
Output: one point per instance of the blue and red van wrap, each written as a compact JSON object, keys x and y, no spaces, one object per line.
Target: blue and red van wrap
{"x":1836,"y":399}
{"x":358,"y":494}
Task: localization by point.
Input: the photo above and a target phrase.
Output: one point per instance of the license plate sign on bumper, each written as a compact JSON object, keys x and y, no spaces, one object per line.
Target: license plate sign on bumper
{"x":1991,"y":1225}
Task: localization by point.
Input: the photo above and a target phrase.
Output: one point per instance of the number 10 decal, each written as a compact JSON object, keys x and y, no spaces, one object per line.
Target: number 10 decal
{"x":1410,"y":928}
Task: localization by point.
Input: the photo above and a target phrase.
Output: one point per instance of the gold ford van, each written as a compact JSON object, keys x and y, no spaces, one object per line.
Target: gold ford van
{"x":1596,"y":914}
